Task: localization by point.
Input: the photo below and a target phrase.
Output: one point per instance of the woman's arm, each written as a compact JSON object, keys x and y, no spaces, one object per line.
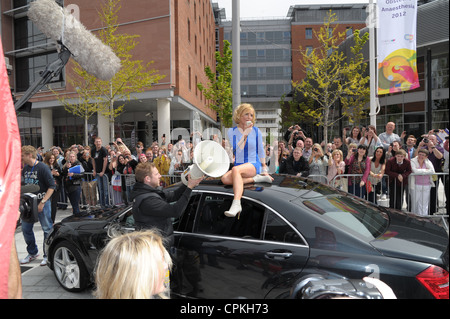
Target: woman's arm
{"x":366,"y":171}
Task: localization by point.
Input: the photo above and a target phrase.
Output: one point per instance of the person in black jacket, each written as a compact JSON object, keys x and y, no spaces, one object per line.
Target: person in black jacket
{"x":295,"y":164}
{"x":398,"y":168}
{"x":72,"y":183}
{"x":293,"y":134}
{"x":151,"y":204}
{"x":89,"y":183}
{"x":50,"y":160}
{"x":126,"y":166}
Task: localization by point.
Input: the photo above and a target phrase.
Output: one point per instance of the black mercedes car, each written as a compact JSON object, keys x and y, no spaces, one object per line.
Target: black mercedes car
{"x":290,"y":230}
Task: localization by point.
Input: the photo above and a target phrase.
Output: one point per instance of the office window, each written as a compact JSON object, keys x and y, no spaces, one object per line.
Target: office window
{"x":260,"y":37}
{"x":287,"y":88}
{"x":244,"y":73}
{"x":261,"y":53}
{"x":273,"y":36}
{"x":196,"y":88}
{"x":189,"y":30}
{"x":308,"y":33}
{"x":440,"y":72}
{"x":287,"y":71}
{"x":28,"y":69}
{"x":244,"y":90}
{"x":309,"y":50}
{"x":226,"y":36}
{"x":26,"y":34}
{"x":261,"y":72}
{"x":189,"y":78}
{"x":261,"y":89}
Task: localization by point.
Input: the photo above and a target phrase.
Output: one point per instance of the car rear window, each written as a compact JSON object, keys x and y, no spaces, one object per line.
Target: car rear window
{"x":353,"y":215}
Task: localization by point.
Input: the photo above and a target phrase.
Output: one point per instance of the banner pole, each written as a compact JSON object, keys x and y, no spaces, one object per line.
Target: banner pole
{"x":372,"y":61}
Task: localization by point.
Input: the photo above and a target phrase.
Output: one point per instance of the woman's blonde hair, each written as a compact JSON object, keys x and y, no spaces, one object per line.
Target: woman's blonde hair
{"x":336,"y":152}
{"x":133,"y":266}
{"x":319,"y":149}
{"x":242,"y":108}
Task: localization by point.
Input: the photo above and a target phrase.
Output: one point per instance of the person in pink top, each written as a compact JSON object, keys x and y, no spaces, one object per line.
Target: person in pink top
{"x":421,"y":185}
{"x":359,"y":163}
{"x":336,"y":166}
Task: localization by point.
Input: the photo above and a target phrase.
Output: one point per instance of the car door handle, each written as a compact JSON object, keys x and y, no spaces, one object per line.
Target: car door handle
{"x":285,"y":254}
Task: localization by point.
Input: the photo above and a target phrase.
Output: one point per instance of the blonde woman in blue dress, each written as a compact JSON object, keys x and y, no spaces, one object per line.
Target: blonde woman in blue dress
{"x":248,"y":150}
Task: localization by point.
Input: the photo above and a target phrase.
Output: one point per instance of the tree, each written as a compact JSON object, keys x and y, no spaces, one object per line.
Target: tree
{"x":85,"y":107}
{"x":332,"y":76}
{"x":218,"y":89}
{"x":294,"y":111}
{"x":134,"y":76}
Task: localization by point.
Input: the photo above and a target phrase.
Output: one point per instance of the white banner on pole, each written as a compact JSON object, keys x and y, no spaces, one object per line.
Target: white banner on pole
{"x":396,"y":45}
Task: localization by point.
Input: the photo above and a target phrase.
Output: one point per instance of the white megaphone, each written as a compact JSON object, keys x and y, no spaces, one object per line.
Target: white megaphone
{"x":210,"y":159}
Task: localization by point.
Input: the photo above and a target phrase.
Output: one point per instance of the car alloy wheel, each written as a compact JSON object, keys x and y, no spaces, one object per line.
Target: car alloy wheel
{"x":69,"y":268}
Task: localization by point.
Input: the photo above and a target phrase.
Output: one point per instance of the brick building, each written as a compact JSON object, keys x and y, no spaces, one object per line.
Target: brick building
{"x":179,"y":36}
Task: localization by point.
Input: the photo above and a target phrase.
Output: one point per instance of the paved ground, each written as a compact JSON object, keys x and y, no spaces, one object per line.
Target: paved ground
{"x":39,"y":282}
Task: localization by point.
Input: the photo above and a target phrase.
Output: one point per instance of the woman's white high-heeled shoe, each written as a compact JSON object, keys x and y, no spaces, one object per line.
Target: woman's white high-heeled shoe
{"x":234,"y":209}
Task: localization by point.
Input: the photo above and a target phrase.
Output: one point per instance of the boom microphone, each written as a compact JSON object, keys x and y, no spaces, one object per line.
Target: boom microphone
{"x":61,"y":26}
{"x":29,"y":188}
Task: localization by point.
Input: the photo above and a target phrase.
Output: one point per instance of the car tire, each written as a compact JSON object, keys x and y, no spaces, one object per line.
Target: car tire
{"x":69,"y":268}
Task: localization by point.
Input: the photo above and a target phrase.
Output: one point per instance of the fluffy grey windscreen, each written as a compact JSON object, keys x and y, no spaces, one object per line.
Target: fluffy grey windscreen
{"x":58,"y":24}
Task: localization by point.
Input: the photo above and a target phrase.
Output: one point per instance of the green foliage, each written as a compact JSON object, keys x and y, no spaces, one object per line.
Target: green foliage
{"x":218,"y":89}
{"x":293,"y":112}
{"x":332,"y":76}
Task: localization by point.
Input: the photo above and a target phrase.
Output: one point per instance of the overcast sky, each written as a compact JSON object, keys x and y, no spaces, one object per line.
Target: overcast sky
{"x":272,"y":8}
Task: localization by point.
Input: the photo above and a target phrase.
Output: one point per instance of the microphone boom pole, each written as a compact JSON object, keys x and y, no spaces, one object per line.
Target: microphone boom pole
{"x":52,"y":70}
{"x":75,"y":41}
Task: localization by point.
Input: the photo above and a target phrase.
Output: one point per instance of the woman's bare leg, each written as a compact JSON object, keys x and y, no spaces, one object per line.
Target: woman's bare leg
{"x":238,"y":176}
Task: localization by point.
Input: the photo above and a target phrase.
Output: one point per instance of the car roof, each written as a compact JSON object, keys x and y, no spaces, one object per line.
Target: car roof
{"x":285,"y":186}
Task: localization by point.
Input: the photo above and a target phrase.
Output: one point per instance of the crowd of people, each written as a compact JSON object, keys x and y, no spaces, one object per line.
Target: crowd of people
{"x":373,"y":165}
{"x":82,"y":172}
{"x":361,"y":154}
{"x":362,"y":163}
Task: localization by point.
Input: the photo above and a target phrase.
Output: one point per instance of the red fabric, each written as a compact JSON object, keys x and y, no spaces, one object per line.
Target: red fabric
{"x":10,"y":158}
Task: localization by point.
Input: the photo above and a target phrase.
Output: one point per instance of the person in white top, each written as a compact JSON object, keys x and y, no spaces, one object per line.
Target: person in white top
{"x":420,"y":186}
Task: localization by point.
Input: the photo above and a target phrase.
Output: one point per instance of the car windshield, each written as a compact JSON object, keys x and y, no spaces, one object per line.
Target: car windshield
{"x":355,"y":216}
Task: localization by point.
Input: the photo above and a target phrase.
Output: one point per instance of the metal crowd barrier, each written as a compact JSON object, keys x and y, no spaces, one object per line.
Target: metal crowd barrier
{"x":118,"y":191}
{"x":319,"y":178}
{"x":405,"y":198}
